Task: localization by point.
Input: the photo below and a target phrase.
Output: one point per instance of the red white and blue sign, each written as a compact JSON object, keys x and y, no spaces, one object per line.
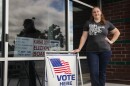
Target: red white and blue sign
{"x":60,"y":66}
{"x":61,"y":70}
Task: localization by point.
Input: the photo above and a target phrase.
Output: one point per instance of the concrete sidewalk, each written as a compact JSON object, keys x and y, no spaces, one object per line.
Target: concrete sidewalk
{"x":86,"y":81}
{"x":108,"y":84}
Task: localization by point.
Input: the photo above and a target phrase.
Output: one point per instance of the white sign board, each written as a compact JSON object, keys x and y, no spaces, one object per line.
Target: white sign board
{"x":61,"y":70}
{"x":28,"y":47}
{"x":23,"y":47}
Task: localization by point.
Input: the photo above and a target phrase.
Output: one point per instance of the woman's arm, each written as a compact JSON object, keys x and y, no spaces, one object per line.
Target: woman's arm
{"x":82,"y":41}
{"x":116,"y":34}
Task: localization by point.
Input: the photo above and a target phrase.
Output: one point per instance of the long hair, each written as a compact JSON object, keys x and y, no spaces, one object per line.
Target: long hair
{"x":103,"y":20}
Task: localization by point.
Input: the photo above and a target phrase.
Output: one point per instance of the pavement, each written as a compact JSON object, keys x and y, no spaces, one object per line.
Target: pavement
{"x":86,"y":81}
{"x":108,"y":84}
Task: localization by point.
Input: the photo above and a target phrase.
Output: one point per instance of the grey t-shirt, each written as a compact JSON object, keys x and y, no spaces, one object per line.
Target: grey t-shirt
{"x":96,"y":35}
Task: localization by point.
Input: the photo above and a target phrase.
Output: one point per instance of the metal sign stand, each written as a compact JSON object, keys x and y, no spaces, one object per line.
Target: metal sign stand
{"x":67,"y":53}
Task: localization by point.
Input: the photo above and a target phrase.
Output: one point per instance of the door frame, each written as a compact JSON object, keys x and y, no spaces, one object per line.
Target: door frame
{"x":5,"y":38}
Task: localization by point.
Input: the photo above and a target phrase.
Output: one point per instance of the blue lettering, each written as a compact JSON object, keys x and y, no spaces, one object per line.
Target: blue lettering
{"x":69,"y":77}
{"x":73,"y":77}
{"x":65,"y":77}
{"x":68,"y":83}
{"x":59,"y":78}
{"x":62,"y":83}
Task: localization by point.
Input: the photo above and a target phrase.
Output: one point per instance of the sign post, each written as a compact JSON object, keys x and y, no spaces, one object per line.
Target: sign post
{"x":62,"y":68}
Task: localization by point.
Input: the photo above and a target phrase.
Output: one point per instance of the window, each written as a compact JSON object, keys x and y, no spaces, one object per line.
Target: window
{"x":1,"y":28}
{"x":36,"y":26}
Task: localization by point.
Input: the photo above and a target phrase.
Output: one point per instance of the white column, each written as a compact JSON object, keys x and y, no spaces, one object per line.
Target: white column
{"x":6,"y":44}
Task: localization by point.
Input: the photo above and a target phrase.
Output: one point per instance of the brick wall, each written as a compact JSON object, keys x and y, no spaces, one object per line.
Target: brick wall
{"x":118,"y":12}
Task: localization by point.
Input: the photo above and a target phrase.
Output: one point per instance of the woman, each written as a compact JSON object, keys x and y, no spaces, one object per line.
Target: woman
{"x":98,"y":49}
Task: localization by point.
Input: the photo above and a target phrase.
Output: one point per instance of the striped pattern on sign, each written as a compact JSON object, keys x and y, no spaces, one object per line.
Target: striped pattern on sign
{"x":60,"y":66}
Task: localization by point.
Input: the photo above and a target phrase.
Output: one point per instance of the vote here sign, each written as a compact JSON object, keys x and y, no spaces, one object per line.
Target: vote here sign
{"x":61,"y":70}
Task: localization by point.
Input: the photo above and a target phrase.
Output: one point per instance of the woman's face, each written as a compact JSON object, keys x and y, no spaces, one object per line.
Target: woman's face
{"x":96,"y":13}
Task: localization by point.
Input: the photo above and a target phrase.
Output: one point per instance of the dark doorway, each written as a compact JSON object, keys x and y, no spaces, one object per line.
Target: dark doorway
{"x":80,"y":16}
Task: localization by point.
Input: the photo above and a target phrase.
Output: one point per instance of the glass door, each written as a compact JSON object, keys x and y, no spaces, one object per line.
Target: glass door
{"x":79,"y":13}
{"x":2,"y":40}
{"x":33,"y":27}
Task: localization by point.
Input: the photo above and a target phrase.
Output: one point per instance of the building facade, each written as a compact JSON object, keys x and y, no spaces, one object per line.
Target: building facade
{"x":117,"y":11}
{"x":28,"y":28}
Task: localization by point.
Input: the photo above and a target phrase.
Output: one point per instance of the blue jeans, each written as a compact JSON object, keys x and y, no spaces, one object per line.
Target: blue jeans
{"x":97,"y":63}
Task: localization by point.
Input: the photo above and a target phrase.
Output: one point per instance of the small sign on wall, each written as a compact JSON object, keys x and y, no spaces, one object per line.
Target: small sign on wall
{"x":31,"y":47}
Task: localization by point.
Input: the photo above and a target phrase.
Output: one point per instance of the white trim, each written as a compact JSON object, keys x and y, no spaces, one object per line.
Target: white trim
{"x":83,"y":3}
{"x":6,"y":44}
{"x":81,"y":77}
{"x":30,"y":58}
{"x":5,"y":72}
{"x":100,"y":4}
{"x":68,"y":33}
{"x":58,"y":52}
{"x":25,"y":58}
{"x":2,"y":59}
{"x":6,"y":65}
{"x":7,"y":17}
{"x":82,"y":57}
{"x":68,"y":22}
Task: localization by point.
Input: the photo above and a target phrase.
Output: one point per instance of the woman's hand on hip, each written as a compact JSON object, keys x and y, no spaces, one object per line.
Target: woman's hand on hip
{"x":109,"y":41}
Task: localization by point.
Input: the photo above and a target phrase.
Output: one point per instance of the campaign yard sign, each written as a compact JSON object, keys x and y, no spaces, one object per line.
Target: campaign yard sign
{"x":61,"y":70}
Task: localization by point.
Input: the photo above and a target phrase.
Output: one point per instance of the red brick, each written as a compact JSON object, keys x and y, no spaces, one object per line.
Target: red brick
{"x":127,"y":33}
{"x":125,"y":59}
{"x":126,"y":52}
{"x":128,"y":55}
{"x":109,"y":73}
{"x":126,"y":66}
{"x":119,"y":48}
{"x":116,"y":59}
{"x":121,"y":51}
{"x":117,"y":52}
{"x":117,"y":45}
{"x":117,"y":66}
{"x":109,"y":66}
{"x":110,"y":69}
{"x":120,"y":70}
{"x":127,"y":37}
{"x":125,"y":45}
{"x":118,"y":24}
{"x":127,"y":26}
{"x":120,"y":56}
{"x":128,"y":70}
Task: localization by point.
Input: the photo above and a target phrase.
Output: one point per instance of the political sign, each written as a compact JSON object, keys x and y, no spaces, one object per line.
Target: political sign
{"x":61,"y":70}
